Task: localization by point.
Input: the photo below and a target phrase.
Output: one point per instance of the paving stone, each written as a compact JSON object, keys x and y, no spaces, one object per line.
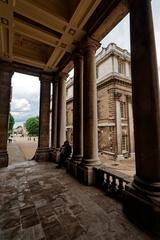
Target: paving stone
{"x":9,"y":218}
{"x":33,"y":233}
{"x":11,"y":234}
{"x":54,"y":230}
{"x":43,"y":203}
{"x":29,"y":217}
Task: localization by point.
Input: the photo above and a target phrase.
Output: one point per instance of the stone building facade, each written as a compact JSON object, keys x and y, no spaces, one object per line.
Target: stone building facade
{"x":114,"y":103}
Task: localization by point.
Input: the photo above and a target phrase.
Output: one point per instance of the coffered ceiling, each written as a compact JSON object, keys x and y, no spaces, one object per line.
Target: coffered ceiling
{"x":44,"y":33}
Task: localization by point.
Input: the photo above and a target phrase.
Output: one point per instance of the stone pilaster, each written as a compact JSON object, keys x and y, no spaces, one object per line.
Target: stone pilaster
{"x":5,"y":98}
{"x":43,"y":151}
{"x":90,"y":138}
{"x":118,"y":126}
{"x":142,"y":197}
{"x":131,"y":128}
{"x":77,"y":113}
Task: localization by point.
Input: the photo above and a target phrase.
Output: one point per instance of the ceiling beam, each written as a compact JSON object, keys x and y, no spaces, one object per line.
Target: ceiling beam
{"x":33,"y":33}
{"x":30,"y":62}
{"x":2,"y":47}
{"x":38,"y":15}
{"x":11,"y":6}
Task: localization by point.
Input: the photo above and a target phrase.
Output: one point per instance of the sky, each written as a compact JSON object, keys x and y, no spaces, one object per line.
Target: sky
{"x":25,"y":97}
{"x":26,"y":89}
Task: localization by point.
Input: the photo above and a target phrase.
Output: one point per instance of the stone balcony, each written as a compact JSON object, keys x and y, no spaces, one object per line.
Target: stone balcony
{"x":38,"y":201}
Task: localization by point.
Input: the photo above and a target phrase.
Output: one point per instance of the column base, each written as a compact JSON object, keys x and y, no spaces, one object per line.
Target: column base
{"x":77,"y":158}
{"x":120,"y":157}
{"x":3,"y":159}
{"x":86,"y":174}
{"x":73,"y":165}
{"x":132,"y":156}
{"x":54,"y":154}
{"x":143,"y":208}
{"x":42,"y":154}
{"x":91,"y":162}
{"x":72,"y":168}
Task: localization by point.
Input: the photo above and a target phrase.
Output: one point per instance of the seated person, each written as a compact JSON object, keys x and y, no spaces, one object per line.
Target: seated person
{"x":65,"y":152}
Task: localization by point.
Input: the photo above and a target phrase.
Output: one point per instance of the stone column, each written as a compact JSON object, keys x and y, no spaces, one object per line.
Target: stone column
{"x":43,"y":151}
{"x":54,"y":119}
{"x":142,"y":198}
{"x":77,"y":114}
{"x":5,"y":98}
{"x":54,"y":114}
{"x":61,"y":110}
{"x":118,"y":127}
{"x":90,"y":130}
{"x":131,"y":128}
{"x":78,"y":108}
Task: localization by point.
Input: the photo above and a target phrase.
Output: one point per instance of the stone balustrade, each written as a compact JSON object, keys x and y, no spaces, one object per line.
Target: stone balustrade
{"x":111,"y":181}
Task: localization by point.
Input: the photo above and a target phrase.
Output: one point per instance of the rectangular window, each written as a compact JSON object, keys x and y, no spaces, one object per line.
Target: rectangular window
{"x":98,"y":109}
{"x":121,"y":67}
{"x":123,"y":109}
{"x":97,"y":73}
{"x":124,"y":143}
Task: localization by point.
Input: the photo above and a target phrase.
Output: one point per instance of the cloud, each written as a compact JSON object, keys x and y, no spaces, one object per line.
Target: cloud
{"x":25,"y":97}
{"x":20,"y":105}
{"x":122,"y":31}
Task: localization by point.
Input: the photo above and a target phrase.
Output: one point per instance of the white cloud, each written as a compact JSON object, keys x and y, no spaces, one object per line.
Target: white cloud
{"x":25,"y":97}
{"x":119,"y":35}
{"x":20,"y":105}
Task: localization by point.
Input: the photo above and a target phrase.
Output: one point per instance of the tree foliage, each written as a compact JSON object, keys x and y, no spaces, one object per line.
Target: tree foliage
{"x":32,"y":126}
{"x":11,"y":123}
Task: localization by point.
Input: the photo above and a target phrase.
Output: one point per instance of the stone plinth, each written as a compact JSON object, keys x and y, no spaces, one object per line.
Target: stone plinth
{"x":42,"y":154}
{"x":3,"y":159}
{"x":143,"y":209}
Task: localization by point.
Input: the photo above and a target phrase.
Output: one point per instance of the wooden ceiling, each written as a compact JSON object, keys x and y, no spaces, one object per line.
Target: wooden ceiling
{"x":44,"y":33}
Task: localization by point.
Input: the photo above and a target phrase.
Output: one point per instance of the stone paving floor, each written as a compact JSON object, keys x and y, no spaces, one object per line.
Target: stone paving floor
{"x":40,"y":202}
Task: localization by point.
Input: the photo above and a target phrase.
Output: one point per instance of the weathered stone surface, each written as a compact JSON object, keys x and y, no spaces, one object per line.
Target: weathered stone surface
{"x":39,"y":202}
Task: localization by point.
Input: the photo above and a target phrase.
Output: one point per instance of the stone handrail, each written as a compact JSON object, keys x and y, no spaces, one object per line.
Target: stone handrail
{"x":111,"y":181}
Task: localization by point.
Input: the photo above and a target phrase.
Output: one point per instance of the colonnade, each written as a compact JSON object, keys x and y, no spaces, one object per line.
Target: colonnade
{"x":142,"y":196}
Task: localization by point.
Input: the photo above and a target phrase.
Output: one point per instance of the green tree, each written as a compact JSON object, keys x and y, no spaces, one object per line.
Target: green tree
{"x":32,"y":126}
{"x":11,"y":123}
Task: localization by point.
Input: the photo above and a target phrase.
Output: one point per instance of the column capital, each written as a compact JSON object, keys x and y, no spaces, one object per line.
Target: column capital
{"x":62,"y":75}
{"x":46,"y":77}
{"x":90,"y":43}
{"x":78,"y":55}
{"x":131,"y":3}
{"x":6,"y":67}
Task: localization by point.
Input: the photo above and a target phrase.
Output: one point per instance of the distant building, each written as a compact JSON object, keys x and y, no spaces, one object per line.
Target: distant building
{"x":19,"y":130}
{"x":114,"y":103}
